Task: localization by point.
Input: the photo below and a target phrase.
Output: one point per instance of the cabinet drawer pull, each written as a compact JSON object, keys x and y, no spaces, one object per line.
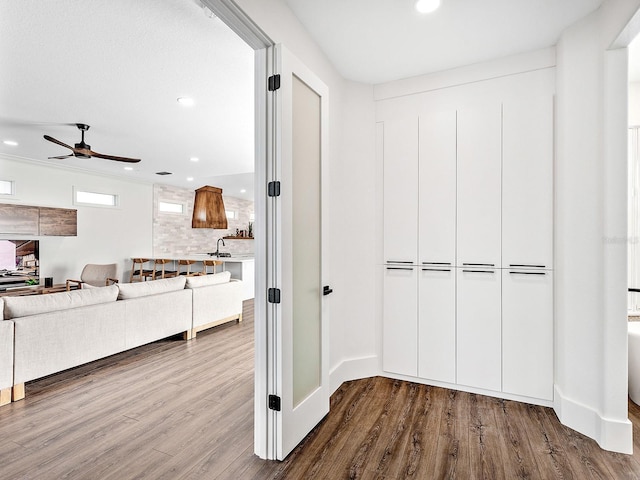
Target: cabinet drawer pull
{"x":527,"y":273}
{"x":436,"y":269}
{"x":479,"y":264}
{"x":436,"y":263}
{"x":400,"y":268}
{"x":478,"y":271}
{"x":514,"y":265}
{"x":399,"y":261}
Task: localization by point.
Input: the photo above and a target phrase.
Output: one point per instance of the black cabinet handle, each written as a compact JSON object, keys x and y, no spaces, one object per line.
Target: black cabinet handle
{"x":514,"y":265}
{"x":478,"y":271}
{"x":436,"y":263}
{"x":327,"y":290}
{"x":479,"y":264}
{"x":399,"y":261}
{"x":436,"y":269}
{"x":400,"y":268}
{"x":527,"y":273}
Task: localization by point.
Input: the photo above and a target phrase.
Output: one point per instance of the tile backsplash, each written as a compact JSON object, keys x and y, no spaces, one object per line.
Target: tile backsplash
{"x":172,"y":232}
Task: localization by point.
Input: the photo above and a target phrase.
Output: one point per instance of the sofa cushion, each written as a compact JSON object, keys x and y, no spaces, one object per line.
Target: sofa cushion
{"x":206,"y":280}
{"x":16,"y":307}
{"x":153,"y":287}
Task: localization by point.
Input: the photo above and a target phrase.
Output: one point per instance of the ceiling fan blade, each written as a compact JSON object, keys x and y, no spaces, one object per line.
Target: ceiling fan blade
{"x":51,"y":139}
{"x":113,"y":157}
{"x":61,"y":157}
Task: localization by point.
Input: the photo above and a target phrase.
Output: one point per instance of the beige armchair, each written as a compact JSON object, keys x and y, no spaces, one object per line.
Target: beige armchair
{"x":96,"y":276}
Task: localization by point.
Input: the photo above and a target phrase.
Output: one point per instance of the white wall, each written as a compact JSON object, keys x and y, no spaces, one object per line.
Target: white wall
{"x":351,"y":230}
{"x":591,"y":342}
{"x":105,"y":235}
{"x":634,"y":104}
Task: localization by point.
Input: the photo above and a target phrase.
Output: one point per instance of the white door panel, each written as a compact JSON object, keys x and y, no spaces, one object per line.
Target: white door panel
{"x":479,"y":184}
{"x":400,"y":320}
{"x":437,"y":324}
{"x":479,"y":352}
{"x":527,"y":206}
{"x":296,"y":221}
{"x":400,"y":160}
{"x":527,"y":333}
{"x":437,"y":191}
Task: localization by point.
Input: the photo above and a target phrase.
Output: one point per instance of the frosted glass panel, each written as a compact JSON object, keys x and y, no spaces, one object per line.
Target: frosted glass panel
{"x":306,"y":241}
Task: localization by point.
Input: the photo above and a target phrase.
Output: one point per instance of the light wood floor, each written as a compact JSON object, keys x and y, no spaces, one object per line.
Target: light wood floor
{"x":184,"y":410}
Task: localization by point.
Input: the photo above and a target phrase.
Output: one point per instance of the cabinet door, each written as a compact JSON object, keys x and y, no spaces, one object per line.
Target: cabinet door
{"x":437,"y":191}
{"x":400,"y":320}
{"x":527,"y":203}
{"x":479,"y":356}
{"x":527,"y":333}
{"x":437,"y":324}
{"x":479,"y":184}
{"x":400,"y":159}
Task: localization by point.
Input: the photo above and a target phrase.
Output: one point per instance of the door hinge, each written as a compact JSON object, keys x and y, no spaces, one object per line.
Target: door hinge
{"x":274,"y":403}
{"x":274,"y":82}
{"x":273,"y":189}
{"x":273,"y":295}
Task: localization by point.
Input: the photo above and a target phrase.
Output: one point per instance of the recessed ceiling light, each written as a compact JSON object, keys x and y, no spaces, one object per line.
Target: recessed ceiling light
{"x":186,"y":101}
{"x":189,"y":179}
{"x":11,"y":143}
{"x":427,"y":6}
{"x":243,"y":191}
{"x":194,"y":159}
{"x":128,"y":168}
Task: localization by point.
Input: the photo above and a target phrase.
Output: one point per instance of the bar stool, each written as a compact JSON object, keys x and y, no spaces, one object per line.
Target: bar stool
{"x":142,"y":273}
{"x":163,"y":272}
{"x":210,"y":263}
{"x":188,"y":264}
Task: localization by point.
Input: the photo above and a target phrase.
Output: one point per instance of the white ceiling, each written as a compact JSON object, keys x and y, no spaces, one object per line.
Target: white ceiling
{"x":119,"y":66}
{"x":388,"y":39}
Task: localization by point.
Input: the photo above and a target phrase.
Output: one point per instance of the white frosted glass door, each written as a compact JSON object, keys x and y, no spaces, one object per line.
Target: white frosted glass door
{"x":306,"y":241}
{"x":300,"y":330}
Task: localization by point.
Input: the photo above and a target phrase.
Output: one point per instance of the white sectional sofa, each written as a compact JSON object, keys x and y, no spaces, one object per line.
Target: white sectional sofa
{"x":217,"y":299}
{"x":6,"y":360}
{"x":46,"y":334}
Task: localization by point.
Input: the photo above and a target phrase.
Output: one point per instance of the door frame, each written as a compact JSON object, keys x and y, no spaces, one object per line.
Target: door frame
{"x":265,"y":151}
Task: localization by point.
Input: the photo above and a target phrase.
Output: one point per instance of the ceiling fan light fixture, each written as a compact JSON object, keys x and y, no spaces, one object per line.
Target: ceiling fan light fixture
{"x":427,"y":6}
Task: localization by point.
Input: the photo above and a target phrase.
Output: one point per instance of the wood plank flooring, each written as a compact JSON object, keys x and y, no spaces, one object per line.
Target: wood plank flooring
{"x":184,"y":410}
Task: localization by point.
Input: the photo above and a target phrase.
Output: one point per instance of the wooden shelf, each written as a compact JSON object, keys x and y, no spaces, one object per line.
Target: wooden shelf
{"x":237,"y":238}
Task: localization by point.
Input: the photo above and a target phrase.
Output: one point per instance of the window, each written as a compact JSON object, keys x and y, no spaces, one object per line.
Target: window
{"x":7,"y":187}
{"x":83,"y":197}
{"x":170,"y":207}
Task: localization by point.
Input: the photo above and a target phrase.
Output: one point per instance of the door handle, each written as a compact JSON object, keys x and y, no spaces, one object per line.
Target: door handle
{"x":327,"y":290}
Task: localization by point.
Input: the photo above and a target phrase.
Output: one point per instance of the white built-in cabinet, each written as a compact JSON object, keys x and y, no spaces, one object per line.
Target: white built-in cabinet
{"x":401,"y":205}
{"x":401,"y":320}
{"x":468,"y":218}
{"x":479,"y":184}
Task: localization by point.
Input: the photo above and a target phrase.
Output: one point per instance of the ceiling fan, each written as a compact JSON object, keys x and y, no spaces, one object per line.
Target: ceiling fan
{"x":83,"y":150}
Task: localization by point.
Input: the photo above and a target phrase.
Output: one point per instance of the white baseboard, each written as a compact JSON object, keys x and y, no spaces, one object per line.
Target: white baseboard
{"x":353,"y":369}
{"x":611,"y":434}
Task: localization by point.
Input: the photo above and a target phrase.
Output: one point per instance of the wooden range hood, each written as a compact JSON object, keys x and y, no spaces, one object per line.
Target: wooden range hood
{"x":208,"y":209}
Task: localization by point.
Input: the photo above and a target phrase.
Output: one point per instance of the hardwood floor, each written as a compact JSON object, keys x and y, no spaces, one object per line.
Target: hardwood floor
{"x":184,"y":410}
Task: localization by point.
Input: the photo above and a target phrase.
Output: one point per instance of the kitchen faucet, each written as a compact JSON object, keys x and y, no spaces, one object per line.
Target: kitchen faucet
{"x":217,"y":254}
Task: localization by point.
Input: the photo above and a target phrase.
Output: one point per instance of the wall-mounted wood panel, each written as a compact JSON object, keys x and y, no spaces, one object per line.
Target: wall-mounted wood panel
{"x":20,"y":219}
{"x":34,"y":220}
{"x":58,"y":222}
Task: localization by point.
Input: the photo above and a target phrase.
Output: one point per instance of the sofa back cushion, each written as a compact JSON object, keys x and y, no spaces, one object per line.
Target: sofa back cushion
{"x":153,"y":287}
{"x":16,"y":307}
{"x":206,"y":280}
